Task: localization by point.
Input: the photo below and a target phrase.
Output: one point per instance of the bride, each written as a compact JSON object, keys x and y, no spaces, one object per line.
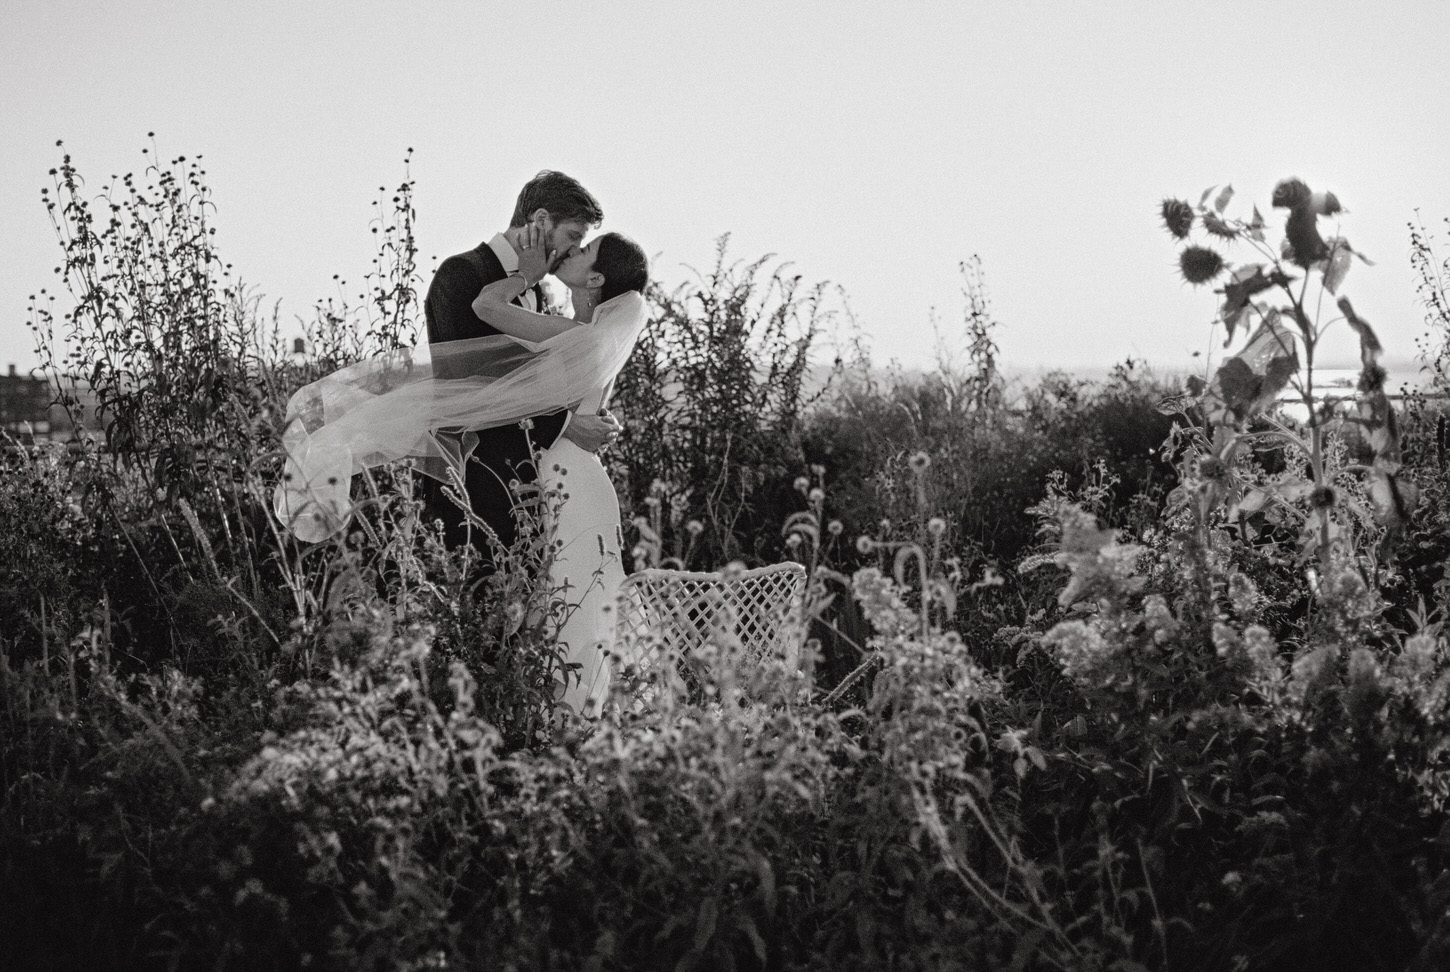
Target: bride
{"x":606,"y":276}
{"x":393,"y":406}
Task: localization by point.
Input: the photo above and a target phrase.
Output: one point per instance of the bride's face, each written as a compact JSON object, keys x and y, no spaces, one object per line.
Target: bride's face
{"x":577,"y":269}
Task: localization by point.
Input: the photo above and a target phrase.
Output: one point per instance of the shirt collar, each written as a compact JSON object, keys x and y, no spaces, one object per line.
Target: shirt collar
{"x":504,"y":250}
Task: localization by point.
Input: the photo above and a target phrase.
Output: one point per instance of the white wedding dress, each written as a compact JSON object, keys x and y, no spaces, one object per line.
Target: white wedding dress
{"x":588,"y":564}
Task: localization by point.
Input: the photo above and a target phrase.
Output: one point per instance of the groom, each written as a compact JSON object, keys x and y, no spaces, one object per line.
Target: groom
{"x":563,"y":210}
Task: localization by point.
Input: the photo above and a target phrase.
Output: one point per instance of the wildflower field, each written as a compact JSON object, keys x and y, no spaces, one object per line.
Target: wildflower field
{"x":1124,"y":675}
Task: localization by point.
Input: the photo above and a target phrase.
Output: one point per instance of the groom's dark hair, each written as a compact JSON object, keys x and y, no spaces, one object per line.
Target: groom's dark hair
{"x":624,"y":265}
{"x":561,"y":195}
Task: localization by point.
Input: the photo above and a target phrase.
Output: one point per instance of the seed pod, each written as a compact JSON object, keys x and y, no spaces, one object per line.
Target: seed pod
{"x":1199,"y":264}
{"x":1177,"y":217}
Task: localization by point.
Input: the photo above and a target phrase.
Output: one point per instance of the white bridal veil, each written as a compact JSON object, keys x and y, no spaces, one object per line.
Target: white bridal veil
{"x":390,"y":407}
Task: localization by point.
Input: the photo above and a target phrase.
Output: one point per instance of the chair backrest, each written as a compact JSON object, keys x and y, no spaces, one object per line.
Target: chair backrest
{"x":760,"y":608}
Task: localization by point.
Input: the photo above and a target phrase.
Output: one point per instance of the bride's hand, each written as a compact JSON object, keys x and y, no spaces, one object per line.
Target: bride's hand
{"x":593,"y":432}
{"x":534,"y":256}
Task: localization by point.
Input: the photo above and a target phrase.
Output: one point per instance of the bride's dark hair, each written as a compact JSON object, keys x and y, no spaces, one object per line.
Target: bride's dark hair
{"x":623,"y":264}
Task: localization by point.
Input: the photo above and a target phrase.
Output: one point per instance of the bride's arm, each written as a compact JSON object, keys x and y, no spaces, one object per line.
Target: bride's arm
{"x":492,"y":305}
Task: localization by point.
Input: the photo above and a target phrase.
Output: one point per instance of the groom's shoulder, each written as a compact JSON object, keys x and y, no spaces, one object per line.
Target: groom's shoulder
{"x":480,"y":260}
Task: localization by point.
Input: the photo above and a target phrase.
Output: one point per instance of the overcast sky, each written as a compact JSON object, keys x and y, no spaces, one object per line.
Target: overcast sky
{"x":872,"y":145}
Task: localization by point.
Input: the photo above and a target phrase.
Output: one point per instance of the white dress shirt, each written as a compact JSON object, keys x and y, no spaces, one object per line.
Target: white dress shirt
{"x":504,"y":250}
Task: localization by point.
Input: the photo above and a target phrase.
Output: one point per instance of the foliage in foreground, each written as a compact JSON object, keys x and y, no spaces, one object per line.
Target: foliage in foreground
{"x":1068,"y":707}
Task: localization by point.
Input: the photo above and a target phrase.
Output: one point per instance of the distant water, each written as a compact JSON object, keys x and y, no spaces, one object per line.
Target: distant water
{"x":1407,"y":376}
{"x":1400,"y":375}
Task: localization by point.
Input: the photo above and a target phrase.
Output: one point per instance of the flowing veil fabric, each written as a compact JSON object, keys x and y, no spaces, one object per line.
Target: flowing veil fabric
{"x":392,"y":405}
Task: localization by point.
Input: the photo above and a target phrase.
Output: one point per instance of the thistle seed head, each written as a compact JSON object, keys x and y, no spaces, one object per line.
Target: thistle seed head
{"x":1177,"y":217}
{"x":1199,"y":264}
{"x":1372,"y":378}
{"x":1290,"y":194}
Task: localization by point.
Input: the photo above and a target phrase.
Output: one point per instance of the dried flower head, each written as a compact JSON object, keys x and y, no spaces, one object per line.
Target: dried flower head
{"x":835,"y":528}
{"x":793,"y":541}
{"x":920,"y":462}
{"x":1177,"y":217}
{"x":1199,"y":264}
{"x":936,"y":526}
{"x":802,"y":484}
{"x":1211,"y":467}
{"x":1372,"y":378}
{"x":694,"y":528}
{"x":865,"y":544}
{"x":1291,"y":193}
{"x":817,"y":495}
{"x":1322,"y":497}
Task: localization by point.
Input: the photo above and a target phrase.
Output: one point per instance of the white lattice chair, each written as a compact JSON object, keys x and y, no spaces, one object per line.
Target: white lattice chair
{"x":674,"y":612}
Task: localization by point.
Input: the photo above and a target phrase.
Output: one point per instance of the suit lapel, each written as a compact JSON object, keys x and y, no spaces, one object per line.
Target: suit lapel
{"x":488,"y":264}
{"x":492,"y":270}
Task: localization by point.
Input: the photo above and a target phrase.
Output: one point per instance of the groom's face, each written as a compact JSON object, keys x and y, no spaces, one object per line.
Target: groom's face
{"x":564,"y":238}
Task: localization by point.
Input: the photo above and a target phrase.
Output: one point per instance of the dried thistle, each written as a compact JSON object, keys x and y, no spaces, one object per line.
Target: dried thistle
{"x":1199,"y":264}
{"x":1177,"y":217}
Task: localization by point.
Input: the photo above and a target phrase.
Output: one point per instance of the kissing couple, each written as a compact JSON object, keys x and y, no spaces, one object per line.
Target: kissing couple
{"x":504,"y":396}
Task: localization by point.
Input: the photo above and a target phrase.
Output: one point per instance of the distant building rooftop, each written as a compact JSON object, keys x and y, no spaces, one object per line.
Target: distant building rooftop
{"x":28,"y":411}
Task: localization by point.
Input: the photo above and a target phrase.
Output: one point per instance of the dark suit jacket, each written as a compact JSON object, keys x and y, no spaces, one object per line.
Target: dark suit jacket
{"x":503,"y":453}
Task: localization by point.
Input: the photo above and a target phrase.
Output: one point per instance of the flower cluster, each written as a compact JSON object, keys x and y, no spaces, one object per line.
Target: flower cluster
{"x":1085,"y":655}
{"x":882,"y":604}
{"x":1100,"y":565}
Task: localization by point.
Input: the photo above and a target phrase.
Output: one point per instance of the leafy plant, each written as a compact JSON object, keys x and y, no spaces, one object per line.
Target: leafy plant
{"x":713,"y":400}
{"x":1246,"y":387}
{"x":1047,"y":723}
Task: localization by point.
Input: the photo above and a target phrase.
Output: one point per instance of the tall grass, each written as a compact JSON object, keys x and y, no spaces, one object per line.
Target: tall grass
{"x":1066,"y":703}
